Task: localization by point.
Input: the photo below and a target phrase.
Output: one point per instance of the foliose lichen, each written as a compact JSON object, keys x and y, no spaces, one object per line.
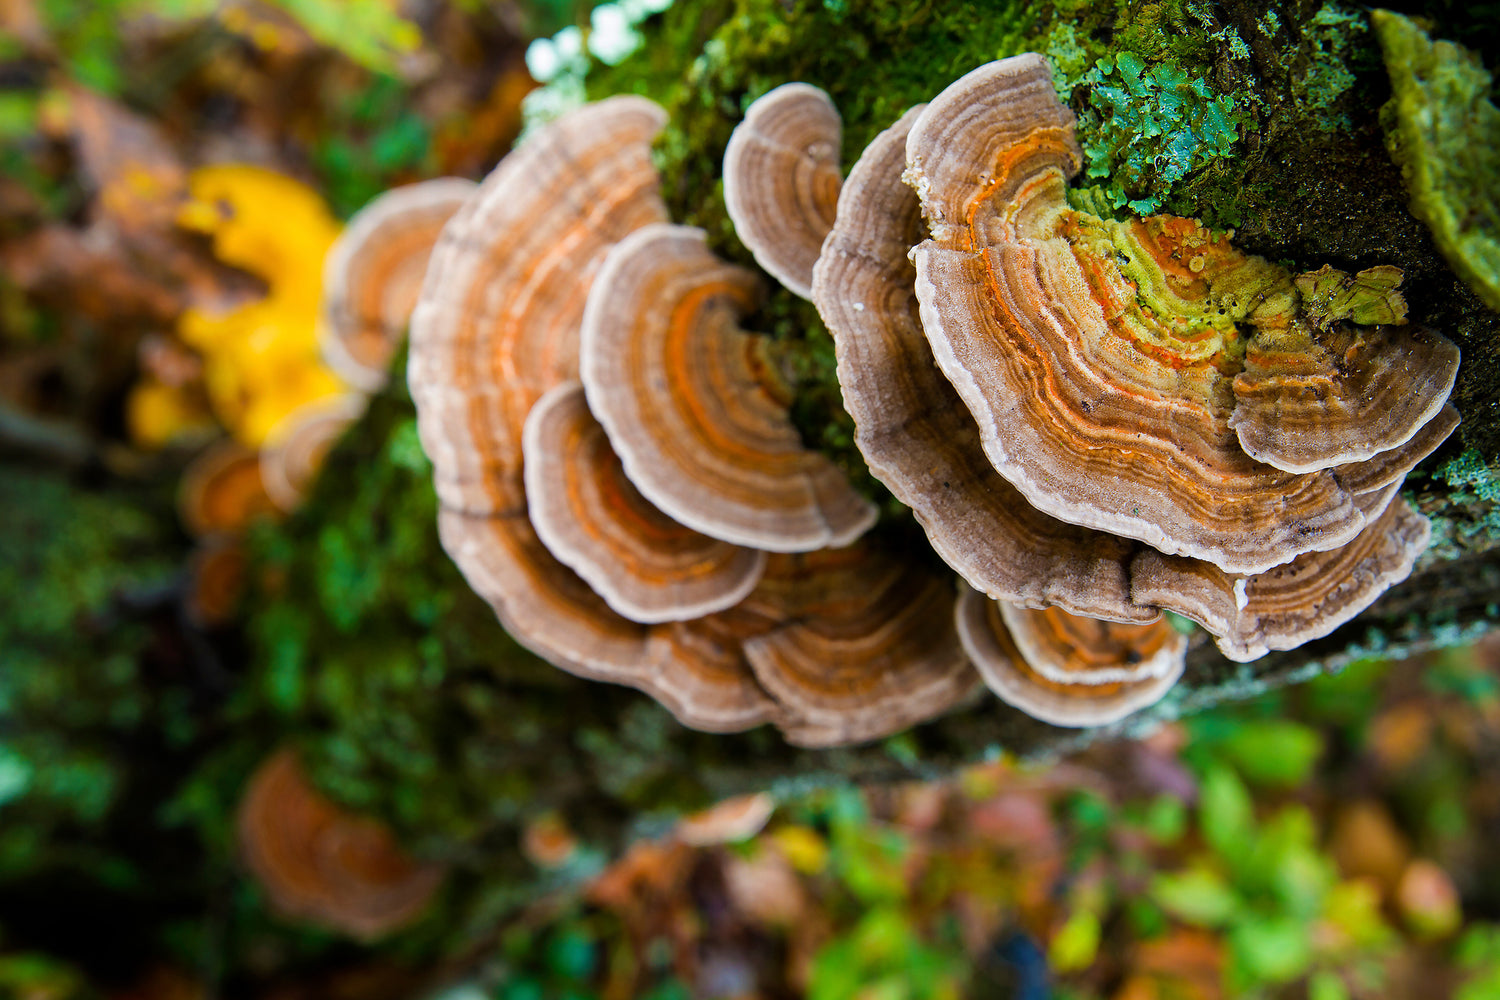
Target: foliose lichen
{"x":1144,"y":128}
{"x":1444,"y":130}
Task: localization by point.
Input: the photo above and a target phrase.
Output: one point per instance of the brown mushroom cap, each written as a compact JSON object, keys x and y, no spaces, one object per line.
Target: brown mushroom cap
{"x":1307,"y":402}
{"x":781,"y":180}
{"x":216,"y":580}
{"x":868,"y":650}
{"x":1075,"y":649}
{"x":320,"y":863}
{"x":734,"y":819}
{"x":646,"y":566}
{"x":1291,"y":604}
{"x":295,"y":447}
{"x":373,"y":273}
{"x":693,"y":406}
{"x":693,"y":669}
{"x":1098,"y":357}
{"x":914,"y":431}
{"x":497,"y":322}
{"x":222,"y":490}
{"x":981,"y":628}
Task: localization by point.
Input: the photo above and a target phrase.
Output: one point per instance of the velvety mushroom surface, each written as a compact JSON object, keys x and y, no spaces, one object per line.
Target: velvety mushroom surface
{"x":1007,"y":672}
{"x":781,"y":180}
{"x":646,"y":566}
{"x":1293,"y":603}
{"x":1106,"y":362}
{"x":869,"y":647}
{"x":913,"y":430}
{"x":696,"y":669}
{"x":373,"y":273}
{"x":694,"y":406}
{"x":497,"y":327}
{"x":320,"y":863}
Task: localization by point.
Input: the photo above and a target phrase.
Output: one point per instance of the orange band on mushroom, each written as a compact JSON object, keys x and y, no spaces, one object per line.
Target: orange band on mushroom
{"x":914,"y":431}
{"x":1075,"y":649}
{"x":868,"y":649}
{"x":295,"y":448}
{"x":497,"y":323}
{"x":373,"y":273}
{"x":222,"y":490}
{"x":1017,"y":682}
{"x":699,"y":676}
{"x":1290,"y":604}
{"x":781,"y":180}
{"x":646,"y":566}
{"x":691,"y":406}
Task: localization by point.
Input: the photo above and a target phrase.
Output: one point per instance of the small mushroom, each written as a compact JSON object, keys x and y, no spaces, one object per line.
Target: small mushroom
{"x":295,"y":448}
{"x":1290,"y":604}
{"x":1306,"y":402}
{"x":497,"y":321}
{"x":734,"y":819}
{"x":323,"y":864}
{"x":868,"y":648}
{"x":693,"y":405}
{"x":646,"y":566}
{"x":1099,"y":358}
{"x":1018,"y":682}
{"x":913,"y":430}
{"x":781,"y":180}
{"x":373,"y":272}
{"x":1075,"y":649}
{"x":221,"y":490}
{"x":215,"y":580}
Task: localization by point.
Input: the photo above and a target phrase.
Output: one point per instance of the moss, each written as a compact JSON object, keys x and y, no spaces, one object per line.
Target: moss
{"x":1446,"y":135}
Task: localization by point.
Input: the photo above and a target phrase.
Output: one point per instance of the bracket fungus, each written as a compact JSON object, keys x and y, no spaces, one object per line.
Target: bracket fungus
{"x":1292,"y":603}
{"x":497,"y":321}
{"x":781,"y":180}
{"x":694,"y":405}
{"x":323,"y":864}
{"x":911,"y":426}
{"x":646,"y":566}
{"x":1107,"y":363}
{"x":1071,"y":671}
{"x":868,"y":646}
{"x":295,"y":447}
{"x":373,"y":273}
{"x":222,"y":490}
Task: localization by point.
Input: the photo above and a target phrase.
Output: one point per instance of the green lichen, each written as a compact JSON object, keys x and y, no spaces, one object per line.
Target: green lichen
{"x":1145,"y":128}
{"x":1470,"y":472}
{"x":1330,"y":39}
{"x":1445,"y":133}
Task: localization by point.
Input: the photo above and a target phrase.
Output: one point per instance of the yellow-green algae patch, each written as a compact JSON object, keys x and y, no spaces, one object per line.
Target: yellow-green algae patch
{"x":1445,"y":133}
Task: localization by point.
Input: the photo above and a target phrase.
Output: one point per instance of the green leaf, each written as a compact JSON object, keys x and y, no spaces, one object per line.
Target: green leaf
{"x":1270,"y":949}
{"x":1200,"y":896}
{"x":1225,"y":812}
{"x":1274,"y":753}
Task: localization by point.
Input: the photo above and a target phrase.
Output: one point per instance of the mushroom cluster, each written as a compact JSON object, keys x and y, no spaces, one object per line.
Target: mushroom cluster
{"x":1049,"y":390}
{"x":1093,"y":420}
